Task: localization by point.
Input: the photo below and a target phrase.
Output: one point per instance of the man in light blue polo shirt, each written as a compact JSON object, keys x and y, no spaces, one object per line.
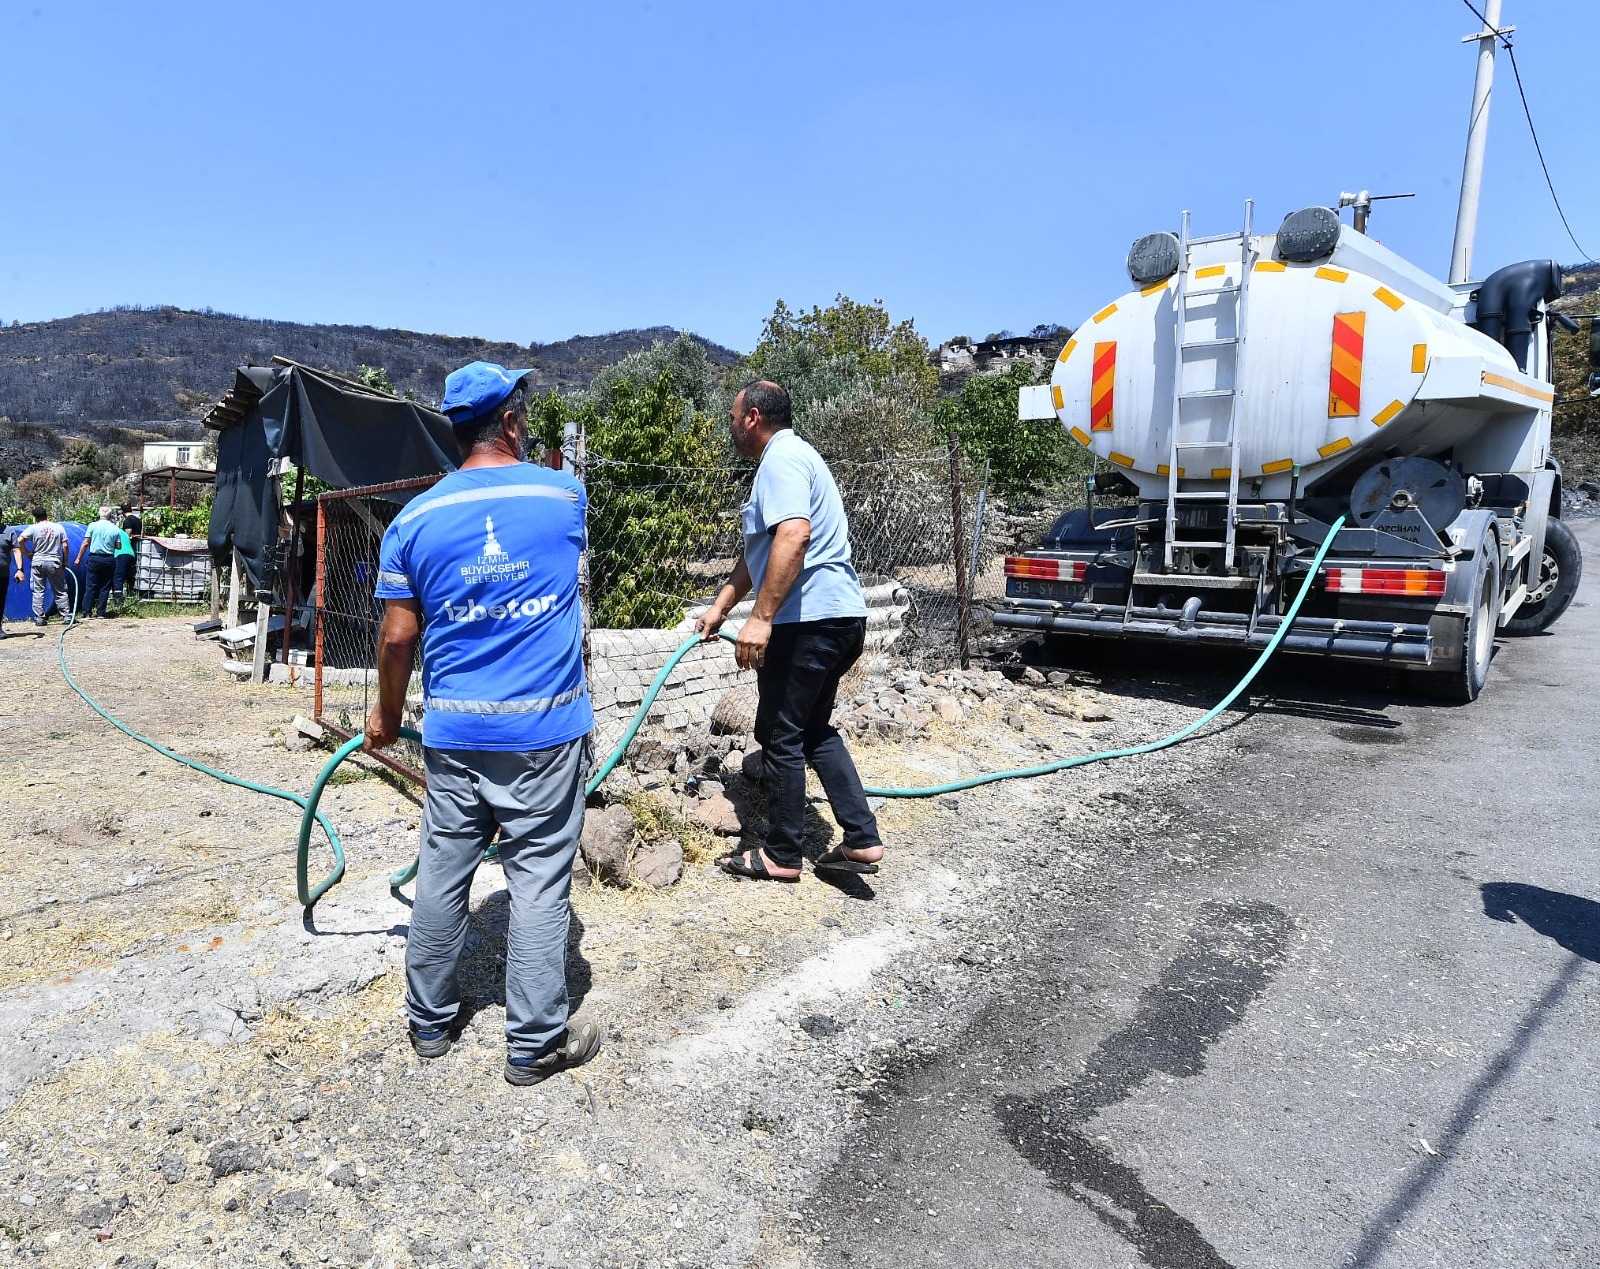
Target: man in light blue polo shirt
{"x":806,"y":630}
{"x":100,"y":542}
{"x":483,"y":568}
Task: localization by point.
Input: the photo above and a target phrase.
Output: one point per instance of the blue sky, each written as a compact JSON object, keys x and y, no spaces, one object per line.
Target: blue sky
{"x":528,"y":171}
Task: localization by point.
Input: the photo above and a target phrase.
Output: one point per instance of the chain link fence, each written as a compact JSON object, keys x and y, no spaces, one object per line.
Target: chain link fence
{"x":929,"y":537}
{"x":350,"y":525}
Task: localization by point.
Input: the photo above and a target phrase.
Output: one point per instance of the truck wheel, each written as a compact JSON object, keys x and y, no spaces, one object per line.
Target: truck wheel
{"x":1463,"y":681}
{"x":1557,"y":583}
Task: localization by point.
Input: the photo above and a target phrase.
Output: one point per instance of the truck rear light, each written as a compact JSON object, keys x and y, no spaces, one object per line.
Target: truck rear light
{"x":1420,"y":582}
{"x":1046,"y":570}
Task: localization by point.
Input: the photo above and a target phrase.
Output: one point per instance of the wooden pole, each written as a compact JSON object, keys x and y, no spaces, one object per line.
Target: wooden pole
{"x":258,"y":667}
{"x":291,"y":563}
{"x":235,"y":586}
{"x":322,"y":603}
{"x":958,"y":541}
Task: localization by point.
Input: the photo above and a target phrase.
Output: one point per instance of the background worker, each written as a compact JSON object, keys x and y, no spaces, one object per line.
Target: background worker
{"x":122,"y":578}
{"x":10,"y":562}
{"x":489,"y":556}
{"x":45,"y":543}
{"x":806,"y":630}
{"x":100,"y":544}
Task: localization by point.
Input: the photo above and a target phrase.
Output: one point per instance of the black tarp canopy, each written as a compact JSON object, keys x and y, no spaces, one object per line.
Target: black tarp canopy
{"x":330,"y":428}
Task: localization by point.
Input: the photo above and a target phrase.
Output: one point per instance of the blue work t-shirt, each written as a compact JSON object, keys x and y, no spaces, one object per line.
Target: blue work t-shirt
{"x":793,"y":483}
{"x":491,"y":554}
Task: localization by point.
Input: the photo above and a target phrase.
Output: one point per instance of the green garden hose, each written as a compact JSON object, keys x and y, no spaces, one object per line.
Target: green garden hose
{"x":309,"y":894}
{"x":312,"y":815}
{"x":404,"y":875}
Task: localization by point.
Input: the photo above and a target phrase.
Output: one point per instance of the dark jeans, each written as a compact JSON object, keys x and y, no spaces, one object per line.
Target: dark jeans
{"x":101,"y":570}
{"x":122,"y":577}
{"x":797,"y":684}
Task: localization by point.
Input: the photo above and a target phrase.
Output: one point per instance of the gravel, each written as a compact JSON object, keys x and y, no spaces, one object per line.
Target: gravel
{"x":750,"y":1028}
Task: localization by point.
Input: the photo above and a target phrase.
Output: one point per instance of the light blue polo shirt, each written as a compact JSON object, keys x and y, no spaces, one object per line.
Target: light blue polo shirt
{"x":491,"y":554}
{"x":103,"y":536}
{"x":793,"y":483}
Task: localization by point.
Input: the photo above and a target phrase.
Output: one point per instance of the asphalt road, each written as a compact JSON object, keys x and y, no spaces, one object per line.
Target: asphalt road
{"x":1337,"y":1004}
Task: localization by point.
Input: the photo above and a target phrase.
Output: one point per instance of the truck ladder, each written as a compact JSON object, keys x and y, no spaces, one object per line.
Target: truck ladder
{"x":1181,"y":485}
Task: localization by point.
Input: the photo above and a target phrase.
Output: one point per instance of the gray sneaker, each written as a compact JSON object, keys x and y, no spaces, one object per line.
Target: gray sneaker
{"x":431,"y":1044}
{"x":580,"y":1043}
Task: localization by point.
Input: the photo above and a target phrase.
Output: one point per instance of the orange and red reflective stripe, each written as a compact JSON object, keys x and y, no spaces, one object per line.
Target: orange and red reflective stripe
{"x":1100,"y":391}
{"x":1344,"y":375}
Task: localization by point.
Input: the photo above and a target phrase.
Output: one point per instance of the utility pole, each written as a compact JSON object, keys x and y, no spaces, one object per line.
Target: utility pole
{"x":1477,"y":135}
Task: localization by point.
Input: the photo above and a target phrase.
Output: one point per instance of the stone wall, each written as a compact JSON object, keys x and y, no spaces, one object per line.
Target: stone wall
{"x":622,"y":664}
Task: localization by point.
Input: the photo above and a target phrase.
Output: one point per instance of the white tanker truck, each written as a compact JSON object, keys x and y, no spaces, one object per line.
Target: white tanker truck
{"x":1250,"y":390}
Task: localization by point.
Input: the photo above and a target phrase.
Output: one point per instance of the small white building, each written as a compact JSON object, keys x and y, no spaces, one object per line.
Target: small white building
{"x":177,"y":454}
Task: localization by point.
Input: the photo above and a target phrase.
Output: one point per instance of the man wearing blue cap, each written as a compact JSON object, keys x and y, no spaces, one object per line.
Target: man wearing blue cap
{"x":483,"y":568}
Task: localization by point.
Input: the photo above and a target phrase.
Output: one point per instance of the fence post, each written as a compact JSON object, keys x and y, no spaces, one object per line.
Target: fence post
{"x":977,"y":534}
{"x":316,"y":611}
{"x":958,"y":538}
{"x":235,"y":588}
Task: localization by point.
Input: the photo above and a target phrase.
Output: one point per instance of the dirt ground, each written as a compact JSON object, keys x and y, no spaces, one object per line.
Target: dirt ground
{"x":198,"y":1074}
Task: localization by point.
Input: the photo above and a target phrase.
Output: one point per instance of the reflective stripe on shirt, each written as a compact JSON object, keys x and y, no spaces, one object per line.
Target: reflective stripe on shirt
{"x":492,"y":494}
{"x":507,"y":707}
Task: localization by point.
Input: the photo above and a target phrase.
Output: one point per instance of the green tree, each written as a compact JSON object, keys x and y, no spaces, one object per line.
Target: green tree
{"x":1024,"y":455}
{"x":655,"y":485}
{"x":884,"y":349}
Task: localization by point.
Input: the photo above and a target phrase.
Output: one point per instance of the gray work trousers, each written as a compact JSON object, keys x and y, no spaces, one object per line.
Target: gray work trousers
{"x":56,"y":575}
{"x":536,"y":799}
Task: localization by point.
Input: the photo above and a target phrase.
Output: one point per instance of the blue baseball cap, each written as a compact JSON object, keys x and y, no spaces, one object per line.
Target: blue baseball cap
{"x":477,"y":388}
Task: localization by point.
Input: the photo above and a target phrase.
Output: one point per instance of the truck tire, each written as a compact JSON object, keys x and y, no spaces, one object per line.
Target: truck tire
{"x":1557,"y":583}
{"x":1463,"y":681}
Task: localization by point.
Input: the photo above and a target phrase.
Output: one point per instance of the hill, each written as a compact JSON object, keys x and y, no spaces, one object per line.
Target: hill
{"x":158,"y":369}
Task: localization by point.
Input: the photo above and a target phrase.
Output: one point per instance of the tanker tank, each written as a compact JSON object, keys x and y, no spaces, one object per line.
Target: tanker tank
{"x":1344,"y":357}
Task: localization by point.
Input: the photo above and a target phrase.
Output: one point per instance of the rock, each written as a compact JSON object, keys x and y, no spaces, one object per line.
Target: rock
{"x":718,"y":815}
{"x":949,"y":709}
{"x":99,"y":1214}
{"x":889,"y":728}
{"x":1016,"y":722}
{"x":708,"y":788}
{"x":171,"y":1166}
{"x":700,"y":745}
{"x":1094,"y":711}
{"x":228,"y":1157}
{"x":731,"y":764}
{"x":651,"y":755}
{"x":299,"y":1110}
{"x":1032,"y":676}
{"x":819,"y":1026}
{"x":342,"y":1175}
{"x":606,"y":842}
{"x":659,"y":864}
{"x":1589,"y":487}
{"x":296,"y":743}
{"x":1059,"y":678}
{"x":753,"y":766}
{"x":290,"y":1202}
{"x":735,"y":712}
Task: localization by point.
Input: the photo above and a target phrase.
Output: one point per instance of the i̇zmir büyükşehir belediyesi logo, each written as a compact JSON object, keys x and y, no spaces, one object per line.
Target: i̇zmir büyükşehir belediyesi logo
{"x":493,"y":564}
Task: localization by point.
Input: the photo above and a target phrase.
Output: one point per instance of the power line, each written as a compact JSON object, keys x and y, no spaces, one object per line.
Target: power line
{"x":1538,"y":149}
